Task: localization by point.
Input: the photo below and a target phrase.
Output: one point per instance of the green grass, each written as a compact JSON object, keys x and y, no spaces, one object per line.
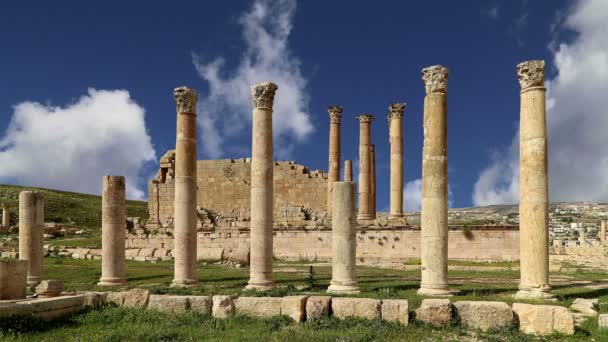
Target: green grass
{"x":71,"y":210}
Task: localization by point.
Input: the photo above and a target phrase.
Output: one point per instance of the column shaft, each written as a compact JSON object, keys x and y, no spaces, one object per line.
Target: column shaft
{"x":335,"y":113}
{"x":185,"y":189}
{"x":603,"y":231}
{"x":395,"y":119}
{"x":31,"y":230}
{"x":343,"y":240}
{"x":372,"y":154}
{"x":348,"y":170}
{"x":113,"y":226}
{"x":365,"y":210}
{"x":6,"y":219}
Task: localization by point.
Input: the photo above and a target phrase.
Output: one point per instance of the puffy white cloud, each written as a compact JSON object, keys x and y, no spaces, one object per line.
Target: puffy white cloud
{"x":412,"y":195}
{"x":266,"y":57}
{"x":577,"y":118}
{"x":73,"y":147}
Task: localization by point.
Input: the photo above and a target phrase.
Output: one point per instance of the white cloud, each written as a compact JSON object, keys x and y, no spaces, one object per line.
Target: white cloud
{"x":226,"y":111}
{"x":412,"y":195}
{"x":73,"y":147}
{"x":577,"y":118}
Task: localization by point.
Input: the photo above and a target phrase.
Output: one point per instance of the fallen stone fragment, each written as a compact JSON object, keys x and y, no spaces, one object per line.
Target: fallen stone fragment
{"x":356,"y":307}
{"x":543,"y":320}
{"x":436,"y":312}
{"x":201,"y":304}
{"x":170,"y":304}
{"x":223,"y":306}
{"x":396,"y":310}
{"x":317,"y":306}
{"x":262,"y":307}
{"x":484,"y":315}
{"x":294,"y":307}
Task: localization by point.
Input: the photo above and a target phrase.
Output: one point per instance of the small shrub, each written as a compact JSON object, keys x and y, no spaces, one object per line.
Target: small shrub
{"x":311,"y":279}
{"x":278,"y":322}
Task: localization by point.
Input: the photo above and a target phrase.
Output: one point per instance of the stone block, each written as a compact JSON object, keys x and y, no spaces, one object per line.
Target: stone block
{"x":210,"y":253}
{"x":146,"y":252}
{"x":166,"y":303}
{"x":602,"y":321}
{"x":95,"y":299}
{"x":131,"y":253}
{"x":436,"y":312}
{"x":294,"y":307}
{"x":201,"y":304}
{"x":484,"y":315}
{"x":13,"y":279}
{"x":396,"y":310}
{"x":49,"y":288}
{"x":356,"y":307}
{"x":15,"y":308}
{"x":223,"y":306}
{"x":587,"y":307}
{"x":261,"y":307}
{"x":51,"y":308}
{"x":543,"y":320}
{"x":317,"y":306}
{"x":136,"y":298}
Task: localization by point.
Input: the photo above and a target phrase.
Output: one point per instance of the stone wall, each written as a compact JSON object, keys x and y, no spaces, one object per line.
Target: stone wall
{"x":397,"y":244}
{"x":224,"y":188}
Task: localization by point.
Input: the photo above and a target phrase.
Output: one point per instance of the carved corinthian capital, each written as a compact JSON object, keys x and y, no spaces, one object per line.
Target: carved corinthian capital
{"x":335,"y":114}
{"x":185,"y":100}
{"x":365,"y":118}
{"x":531,"y":74}
{"x":262,"y":94}
{"x":395,"y":111}
{"x":435,"y":79}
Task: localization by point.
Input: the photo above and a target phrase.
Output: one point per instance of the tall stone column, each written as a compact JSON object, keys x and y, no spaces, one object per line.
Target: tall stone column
{"x":434,"y":211}
{"x":533,"y":183}
{"x":372,"y":157}
{"x":365,"y":137}
{"x":335,"y":118}
{"x":603,"y":231}
{"x":185,"y":188}
{"x":395,"y":122}
{"x":348,"y":170}
{"x":343,"y":240}
{"x":31,"y":230}
{"x":6,"y":218}
{"x":260,"y":238}
{"x":113,"y":226}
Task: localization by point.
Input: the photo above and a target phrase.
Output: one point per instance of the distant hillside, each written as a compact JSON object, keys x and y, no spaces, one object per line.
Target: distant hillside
{"x":68,"y":208}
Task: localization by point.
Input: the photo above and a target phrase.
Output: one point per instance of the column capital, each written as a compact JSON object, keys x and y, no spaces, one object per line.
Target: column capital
{"x":335,"y":114}
{"x":262,"y":95}
{"x":365,"y":118}
{"x":185,"y":100}
{"x":435,"y":79}
{"x":395,"y":111}
{"x":531,"y":74}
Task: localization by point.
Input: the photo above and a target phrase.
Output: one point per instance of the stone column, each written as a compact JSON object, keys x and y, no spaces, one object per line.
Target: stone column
{"x":185,"y":220}
{"x":343,"y":240}
{"x":113,"y":226}
{"x":6,"y":219}
{"x":434,"y":211}
{"x":372,"y":174}
{"x":260,"y":236}
{"x":31,"y":230}
{"x":365,"y":137}
{"x":348,"y":170}
{"x":533,"y":183}
{"x":335,"y":117}
{"x":603,"y":231}
{"x":395,"y":122}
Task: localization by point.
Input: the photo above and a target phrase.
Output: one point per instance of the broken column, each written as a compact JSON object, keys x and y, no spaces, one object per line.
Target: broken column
{"x":31,"y":230}
{"x":335,"y":117}
{"x":372,"y":157}
{"x":395,"y":121}
{"x":185,"y":189}
{"x":533,"y":183}
{"x":348,"y":170}
{"x":6,"y":219}
{"x":603,"y":231}
{"x":260,"y":239}
{"x":343,"y":240}
{"x":434,"y":210}
{"x":113,"y":227}
{"x":365,"y":137}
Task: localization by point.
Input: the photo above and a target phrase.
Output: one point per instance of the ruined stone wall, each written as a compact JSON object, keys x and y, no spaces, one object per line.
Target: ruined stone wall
{"x":224,"y":188}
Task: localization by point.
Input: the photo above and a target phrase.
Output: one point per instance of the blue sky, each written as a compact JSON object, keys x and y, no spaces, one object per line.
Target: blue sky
{"x":69,"y":71}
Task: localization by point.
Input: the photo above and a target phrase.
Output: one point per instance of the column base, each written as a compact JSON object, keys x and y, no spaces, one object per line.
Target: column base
{"x":33,"y":281}
{"x":396,"y":216}
{"x":435,"y":292}
{"x":364,"y":217}
{"x":184,"y":283}
{"x":111,"y":281}
{"x":261,"y":286}
{"x":336,"y":288}
{"x":535,"y":293}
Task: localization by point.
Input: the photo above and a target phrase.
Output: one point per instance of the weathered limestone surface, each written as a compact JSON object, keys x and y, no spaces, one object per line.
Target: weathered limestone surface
{"x":167,"y":303}
{"x":434,"y":208}
{"x":395,"y":119}
{"x":436,"y":312}
{"x":365,"y":165}
{"x":533,"y":183}
{"x":261,"y":188}
{"x":113,"y":226}
{"x":544,"y":319}
{"x":135,"y":298}
{"x":52,"y":308}
{"x":294,"y":307}
{"x":484,"y":315}
{"x":335,"y":118}
{"x":344,"y":245}
{"x":602,"y":321}
{"x":356,"y":307}
{"x":49,"y":288}
{"x":6,"y":218}
{"x":263,"y":307}
{"x":13,"y":279}
{"x":201,"y":304}
{"x":372,"y":157}
{"x":585,"y":306}
{"x":31,"y":230}
{"x":318,"y":306}
{"x":603,"y":231}
{"x":348,"y":170}
{"x":396,"y":310}
{"x":223,"y":306}
{"x":185,"y":188}
{"x":95,"y":299}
